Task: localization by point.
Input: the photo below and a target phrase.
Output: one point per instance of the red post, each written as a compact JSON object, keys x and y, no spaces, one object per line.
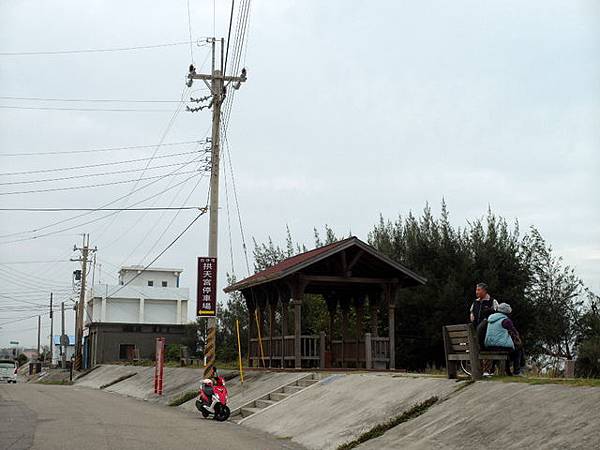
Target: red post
{"x":159,"y":365}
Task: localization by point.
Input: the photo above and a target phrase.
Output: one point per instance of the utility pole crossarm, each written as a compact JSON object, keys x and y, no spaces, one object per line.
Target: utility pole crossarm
{"x":201,"y":76}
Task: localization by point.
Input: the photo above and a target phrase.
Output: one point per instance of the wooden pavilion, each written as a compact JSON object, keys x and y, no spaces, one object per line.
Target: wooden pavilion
{"x":348,"y":274}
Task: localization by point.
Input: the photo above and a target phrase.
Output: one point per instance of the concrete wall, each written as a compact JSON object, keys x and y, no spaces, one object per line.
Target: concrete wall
{"x":156,"y":276}
{"x":495,"y":415}
{"x":137,"y":304}
{"x":106,"y":374}
{"x":341,"y":407}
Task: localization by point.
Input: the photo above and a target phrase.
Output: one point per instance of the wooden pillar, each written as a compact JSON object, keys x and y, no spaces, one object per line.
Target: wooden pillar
{"x":391,"y":292}
{"x":272,"y":306}
{"x":297,"y":287}
{"x":374,"y":300}
{"x":250,"y":304}
{"x":331,"y":301}
{"x":392,"y":327}
{"x":322,"y":339}
{"x":344,"y":306}
{"x":284,"y":326}
{"x":359,"y":302}
{"x":297,"y":332}
{"x":368,"y":352}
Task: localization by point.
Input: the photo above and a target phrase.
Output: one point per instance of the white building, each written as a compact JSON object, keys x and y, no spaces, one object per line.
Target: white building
{"x":150,"y":296}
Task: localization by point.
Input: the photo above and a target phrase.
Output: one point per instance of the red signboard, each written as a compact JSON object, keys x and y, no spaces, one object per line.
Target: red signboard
{"x":206,"y":299}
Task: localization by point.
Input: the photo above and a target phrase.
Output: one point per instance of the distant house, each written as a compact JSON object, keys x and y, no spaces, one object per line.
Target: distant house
{"x":56,"y":349}
{"x":31,"y":353}
{"x":123,"y":320}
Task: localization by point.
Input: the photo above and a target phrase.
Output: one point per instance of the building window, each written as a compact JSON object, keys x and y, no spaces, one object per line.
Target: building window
{"x":132,"y":328}
{"x":164,"y":284}
{"x":150,"y":283}
{"x":127,"y":352}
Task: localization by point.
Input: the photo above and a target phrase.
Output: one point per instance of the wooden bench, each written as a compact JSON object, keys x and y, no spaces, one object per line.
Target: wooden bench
{"x":461,"y":344}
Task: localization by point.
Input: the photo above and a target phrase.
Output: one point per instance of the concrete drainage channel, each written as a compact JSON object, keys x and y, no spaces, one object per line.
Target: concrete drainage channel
{"x":275,"y":396}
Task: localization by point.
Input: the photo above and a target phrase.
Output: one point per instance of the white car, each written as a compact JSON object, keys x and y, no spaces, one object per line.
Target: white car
{"x":8,"y":371}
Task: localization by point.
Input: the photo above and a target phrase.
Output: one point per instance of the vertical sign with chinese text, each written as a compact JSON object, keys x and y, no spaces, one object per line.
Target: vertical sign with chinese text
{"x":206,"y":299}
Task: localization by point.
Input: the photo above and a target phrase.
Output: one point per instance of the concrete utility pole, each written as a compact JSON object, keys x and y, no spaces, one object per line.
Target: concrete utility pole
{"x":63,"y":349}
{"x":85,"y":249}
{"x":218,"y":85}
{"x":51,"y":329}
{"x":39,"y":332}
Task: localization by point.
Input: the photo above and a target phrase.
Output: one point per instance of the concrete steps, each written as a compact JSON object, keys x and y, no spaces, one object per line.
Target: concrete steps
{"x":292,"y":389}
{"x":264,"y":403}
{"x":273,"y":397}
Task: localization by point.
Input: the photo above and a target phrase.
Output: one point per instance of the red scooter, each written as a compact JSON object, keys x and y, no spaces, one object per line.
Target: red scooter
{"x":212,"y":400}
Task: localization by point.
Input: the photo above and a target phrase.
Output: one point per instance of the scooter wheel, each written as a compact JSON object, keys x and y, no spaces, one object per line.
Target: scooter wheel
{"x":223,"y":413}
{"x":199,"y":407}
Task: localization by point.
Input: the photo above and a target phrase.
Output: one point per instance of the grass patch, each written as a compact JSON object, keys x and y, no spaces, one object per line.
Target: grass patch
{"x":463,"y":385}
{"x":183,"y":397}
{"x":576,"y":382}
{"x":378,"y":430}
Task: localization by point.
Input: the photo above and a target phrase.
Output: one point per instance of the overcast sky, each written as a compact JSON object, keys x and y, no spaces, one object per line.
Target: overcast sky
{"x":351,"y":109}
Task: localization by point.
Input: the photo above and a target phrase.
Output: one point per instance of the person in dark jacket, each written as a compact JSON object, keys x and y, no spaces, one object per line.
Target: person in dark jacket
{"x":482,"y":306}
{"x":502,"y":335}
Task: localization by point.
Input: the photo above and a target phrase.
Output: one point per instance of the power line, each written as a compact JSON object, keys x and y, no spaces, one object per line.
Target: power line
{"x":87,"y":175}
{"x":89,"y":100}
{"x":35,"y":230}
{"x":172,"y":119}
{"x":21,"y":319}
{"x":237,"y":203}
{"x":171,"y":222}
{"x":158,"y":208}
{"x":52,"y":108}
{"x":190,"y":31}
{"x":228,"y":37}
{"x":98,"y":50}
{"x":88,"y":166}
{"x":46,"y":261}
{"x":89,"y":186}
{"x":160,"y":254}
{"x":95,"y":150}
{"x":50,"y":233}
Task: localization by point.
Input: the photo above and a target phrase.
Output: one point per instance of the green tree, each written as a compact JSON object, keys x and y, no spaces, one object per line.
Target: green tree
{"x":453,"y":260}
{"x":555,"y":291}
{"x":232,"y":311}
{"x":588,"y":345}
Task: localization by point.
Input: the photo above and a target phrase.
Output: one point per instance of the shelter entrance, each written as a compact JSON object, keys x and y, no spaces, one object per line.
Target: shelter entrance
{"x":358,"y":285}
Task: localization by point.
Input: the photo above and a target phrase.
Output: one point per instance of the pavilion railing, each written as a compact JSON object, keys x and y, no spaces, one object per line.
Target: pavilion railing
{"x":380,"y":352}
{"x":279,"y":351}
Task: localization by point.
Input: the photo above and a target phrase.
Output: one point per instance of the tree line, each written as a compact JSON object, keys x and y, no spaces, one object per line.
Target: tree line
{"x":558,"y":317}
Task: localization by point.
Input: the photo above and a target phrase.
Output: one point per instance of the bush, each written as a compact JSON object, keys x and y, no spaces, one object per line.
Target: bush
{"x":22,"y":359}
{"x":173,"y":352}
{"x":588,"y":360}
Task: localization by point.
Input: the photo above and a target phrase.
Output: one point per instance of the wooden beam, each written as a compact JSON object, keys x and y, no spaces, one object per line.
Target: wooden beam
{"x":354,"y":260}
{"x":343,"y":280}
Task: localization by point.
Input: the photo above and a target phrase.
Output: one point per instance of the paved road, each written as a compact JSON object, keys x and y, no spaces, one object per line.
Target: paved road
{"x":34,"y":416}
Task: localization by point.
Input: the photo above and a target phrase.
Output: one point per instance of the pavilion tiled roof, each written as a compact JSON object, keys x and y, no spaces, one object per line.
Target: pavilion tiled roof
{"x":288,"y":265}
